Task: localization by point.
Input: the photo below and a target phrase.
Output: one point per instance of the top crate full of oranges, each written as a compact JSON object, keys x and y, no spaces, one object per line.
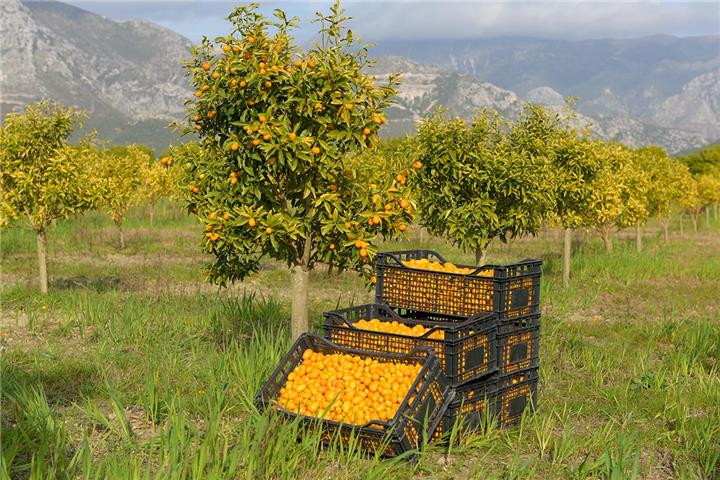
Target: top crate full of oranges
{"x":422,"y":280}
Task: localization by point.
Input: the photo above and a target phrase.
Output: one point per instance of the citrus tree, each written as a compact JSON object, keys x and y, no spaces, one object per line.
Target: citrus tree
{"x":475,"y":184}
{"x":161,"y":179}
{"x":669,"y":178}
{"x":708,"y":192}
{"x":42,"y":177}
{"x":273,"y":176}
{"x":619,"y":191}
{"x":120,"y":176}
{"x":558,"y":136}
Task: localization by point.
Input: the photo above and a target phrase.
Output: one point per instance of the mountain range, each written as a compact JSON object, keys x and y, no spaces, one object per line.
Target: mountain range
{"x":654,"y":90}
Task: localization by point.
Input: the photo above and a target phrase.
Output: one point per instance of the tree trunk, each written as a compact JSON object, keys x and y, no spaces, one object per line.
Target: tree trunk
{"x":300,"y":284}
{"x":121,"y":235}
{"x":606,"y":233}
{"x":480,"y":256}
{"x":42,"y":259}
{"x":715,"y":208}
{"x":666,"y":229}
{"x":682,"y":224}
{"x":567,"y":248}
{"x":707,"y":217}
{"x":694,"y":217}
{"x":330,"y":270}
{"x":151,"y":213}
{"x":638,"y":238}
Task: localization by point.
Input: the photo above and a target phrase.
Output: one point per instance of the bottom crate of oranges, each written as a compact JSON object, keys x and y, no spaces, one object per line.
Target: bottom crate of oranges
{"x":389,"y":402}
{"x":500,"y":400}
{"x":514,"y":394}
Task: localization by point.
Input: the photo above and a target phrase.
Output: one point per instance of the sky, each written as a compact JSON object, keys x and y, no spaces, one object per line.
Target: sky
{"x":377,"y":20}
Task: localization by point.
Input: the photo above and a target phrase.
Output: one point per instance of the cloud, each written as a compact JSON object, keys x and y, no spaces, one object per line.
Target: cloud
{"x":381,"y":20}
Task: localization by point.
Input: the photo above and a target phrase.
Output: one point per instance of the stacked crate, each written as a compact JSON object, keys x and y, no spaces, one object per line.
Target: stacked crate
{"x":511,"y":292}
{"x":475,"y":332}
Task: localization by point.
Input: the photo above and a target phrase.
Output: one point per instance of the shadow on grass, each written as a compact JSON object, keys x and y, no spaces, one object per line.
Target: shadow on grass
{"x":96,"y":284}
{"x":64,"y":383}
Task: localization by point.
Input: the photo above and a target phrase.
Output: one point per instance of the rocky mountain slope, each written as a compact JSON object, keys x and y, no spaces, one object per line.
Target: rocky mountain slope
{"x":662,"y":81}
{"x":426,"y":87}
{"x":126,"y":75}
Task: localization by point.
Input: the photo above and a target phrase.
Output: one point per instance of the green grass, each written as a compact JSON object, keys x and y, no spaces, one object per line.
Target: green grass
{"x":133,"y":367}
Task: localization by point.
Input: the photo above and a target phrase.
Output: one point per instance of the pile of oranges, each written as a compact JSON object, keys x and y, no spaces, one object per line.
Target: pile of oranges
{"x":347,"y":388}
{"x":447,"y":267}
{"x":377,"y":325}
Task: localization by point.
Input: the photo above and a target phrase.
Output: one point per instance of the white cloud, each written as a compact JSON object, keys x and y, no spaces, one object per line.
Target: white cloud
{"x":378,"y":20}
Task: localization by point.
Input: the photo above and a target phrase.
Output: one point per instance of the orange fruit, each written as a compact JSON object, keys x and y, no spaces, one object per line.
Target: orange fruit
{"x":242,"y":84}
{"x":292,"y":136}
{"x":366,"y":131}
{"x":206,"y":66}
{"x":315,"y":150}
{"x":269,"y":230}
{"x":252,"y":222}
{"x":332,"y":246}
{"x":417,"y":165}
{"x":234,"y":146}
{"x":363,"y":253}
{"x":262,"y":118}
{"x":216,"y":75}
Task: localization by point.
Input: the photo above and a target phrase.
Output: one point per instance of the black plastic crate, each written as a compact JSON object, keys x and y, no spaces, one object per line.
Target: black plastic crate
{"x":518,"y":343}
{"x":467,"y":352}
{"x":515,"y":393}
{"x":473,"y":403}
{"x":511,"y":291}
{"x":417,"y":418}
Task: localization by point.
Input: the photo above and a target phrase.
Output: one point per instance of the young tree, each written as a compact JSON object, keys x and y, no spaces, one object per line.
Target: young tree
{"x":120,"y":176}
{"x":161,"y":179}
{"x":618,"y":191}
{"x":709,"y":193}
{"x":475,"y":185}
{"x":272,"y":176}
{"x":43,"y":178}
{"x":558,"y":136}
{"x":668,"y":180}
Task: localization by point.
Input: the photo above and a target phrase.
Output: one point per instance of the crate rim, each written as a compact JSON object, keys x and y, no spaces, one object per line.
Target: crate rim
{"x":476,"y":268}
{"x":451,"y":326}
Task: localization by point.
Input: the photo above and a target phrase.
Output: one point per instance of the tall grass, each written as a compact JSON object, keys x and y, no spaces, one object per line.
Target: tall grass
{"x":118,"y":379}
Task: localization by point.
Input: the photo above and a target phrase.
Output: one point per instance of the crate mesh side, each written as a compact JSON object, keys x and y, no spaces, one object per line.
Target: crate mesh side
{"x":524,"y":338}
{"x":430,"y":291}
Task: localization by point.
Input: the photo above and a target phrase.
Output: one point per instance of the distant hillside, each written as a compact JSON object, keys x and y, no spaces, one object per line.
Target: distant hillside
{"x":426,"y":87}
{"x":127,"y":75}
{"x":660,"y":80}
